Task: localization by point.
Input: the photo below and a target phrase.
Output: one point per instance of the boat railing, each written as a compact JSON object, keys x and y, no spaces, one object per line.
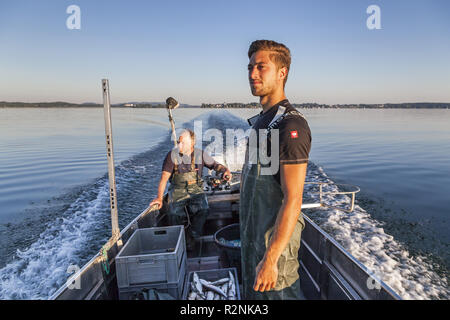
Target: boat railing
{"x":352,"y":191}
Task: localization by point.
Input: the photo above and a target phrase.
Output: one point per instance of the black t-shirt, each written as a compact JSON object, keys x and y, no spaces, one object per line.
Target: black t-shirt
{"x":203,"y":159}
{"x":294,"y":135}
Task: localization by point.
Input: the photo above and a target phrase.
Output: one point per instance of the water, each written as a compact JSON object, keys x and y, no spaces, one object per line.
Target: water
{"x":54,"y":201}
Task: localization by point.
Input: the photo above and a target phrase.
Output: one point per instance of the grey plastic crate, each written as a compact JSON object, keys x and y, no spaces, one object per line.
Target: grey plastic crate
{"x":151,"y":255}
{"x":211,"y":275}
{"x":173,"y":289}
{"x":204,"y":263}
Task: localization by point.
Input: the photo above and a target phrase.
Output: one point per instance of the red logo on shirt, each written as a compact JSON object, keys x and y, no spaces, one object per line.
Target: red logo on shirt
{"x":294,"y":134}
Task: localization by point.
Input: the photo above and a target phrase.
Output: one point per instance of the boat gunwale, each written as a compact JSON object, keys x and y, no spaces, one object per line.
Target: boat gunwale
{"x":88,"y":264}
{"x":134,"y":224}
{"x":348,"y":255}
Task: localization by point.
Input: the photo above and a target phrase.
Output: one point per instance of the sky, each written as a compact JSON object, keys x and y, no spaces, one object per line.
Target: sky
{"x":196,"y":51}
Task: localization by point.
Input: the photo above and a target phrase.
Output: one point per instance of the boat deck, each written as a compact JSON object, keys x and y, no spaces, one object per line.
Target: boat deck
{"x":206,"y":254}
{"x":327,"y":270}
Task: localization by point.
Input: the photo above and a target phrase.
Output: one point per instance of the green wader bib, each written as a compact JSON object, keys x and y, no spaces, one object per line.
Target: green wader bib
{"x":186,"y":190}
{"x":260,"y":200}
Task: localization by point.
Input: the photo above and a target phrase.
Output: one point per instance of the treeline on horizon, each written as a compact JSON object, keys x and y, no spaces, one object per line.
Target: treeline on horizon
{"x":255,"y":105}
{"x":414,"y":105}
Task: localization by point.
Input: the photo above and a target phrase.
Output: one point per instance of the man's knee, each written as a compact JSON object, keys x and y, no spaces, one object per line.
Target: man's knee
{"x":198,"y":202}
{"x":175,"y":220}
{"x":178,"y":208}
{"x":198,"y":222}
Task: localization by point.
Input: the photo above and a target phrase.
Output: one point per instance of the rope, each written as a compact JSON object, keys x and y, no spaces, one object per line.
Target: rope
{"x":188,"y":218}
{"x":105,"y":263}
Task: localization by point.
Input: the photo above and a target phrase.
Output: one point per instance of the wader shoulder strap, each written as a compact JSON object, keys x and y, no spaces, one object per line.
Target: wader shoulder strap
{"x":280,"y":115}
{"x":175,"y":168}
{"x":277,"y":118}
{"x":193,"y":163}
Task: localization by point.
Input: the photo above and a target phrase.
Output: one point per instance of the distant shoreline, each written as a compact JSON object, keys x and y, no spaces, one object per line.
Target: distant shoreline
{"x":254,"y":105}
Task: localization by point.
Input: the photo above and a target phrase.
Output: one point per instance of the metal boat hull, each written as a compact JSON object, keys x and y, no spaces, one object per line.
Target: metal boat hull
{"x":327,"y":270}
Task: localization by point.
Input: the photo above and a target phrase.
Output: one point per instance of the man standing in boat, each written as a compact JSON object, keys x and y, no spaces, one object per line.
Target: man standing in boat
{"x":183,"y":167}
{"x":271,"y":191}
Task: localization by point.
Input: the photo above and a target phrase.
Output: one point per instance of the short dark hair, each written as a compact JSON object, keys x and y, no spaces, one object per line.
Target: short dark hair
{"x":281,"y":55}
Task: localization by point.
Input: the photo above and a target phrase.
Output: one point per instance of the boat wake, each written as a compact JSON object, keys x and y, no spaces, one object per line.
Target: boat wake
{"x":75,"y":232}
{"x":410,"y":276}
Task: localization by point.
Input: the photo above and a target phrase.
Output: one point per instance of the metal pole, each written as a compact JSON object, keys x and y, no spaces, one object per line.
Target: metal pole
{"x":353,"y":202}
{"x":171,"y":103}
{"x":320,"y":193}
{"x":174,"y":135}
{"x":110,"y":156}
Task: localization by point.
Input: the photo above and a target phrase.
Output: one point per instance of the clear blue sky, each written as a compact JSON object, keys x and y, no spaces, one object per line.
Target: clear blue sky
{"x":196,"y":50}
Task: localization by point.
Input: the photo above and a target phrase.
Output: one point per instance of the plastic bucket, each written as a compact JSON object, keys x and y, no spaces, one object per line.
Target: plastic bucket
{"x":232,"y":253}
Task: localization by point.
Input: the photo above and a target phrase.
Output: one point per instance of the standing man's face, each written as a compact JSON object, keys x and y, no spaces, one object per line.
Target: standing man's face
{"x":263,"y":75}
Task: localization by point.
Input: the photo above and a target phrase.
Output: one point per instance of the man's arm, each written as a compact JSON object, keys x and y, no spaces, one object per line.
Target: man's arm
{"x":212,"y":164}
{"x":162,"y":186}
{"x":167,"y":169}
{"x":224,"y":170}
{"x":292,"y":178}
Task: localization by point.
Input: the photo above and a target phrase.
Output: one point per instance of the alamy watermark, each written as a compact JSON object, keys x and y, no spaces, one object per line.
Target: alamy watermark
{"x":73,"y":283}
{"x":73,"y":22}
{"x":374,"y":280}
{"x":255,"y":154}
{"x":374,"y":20}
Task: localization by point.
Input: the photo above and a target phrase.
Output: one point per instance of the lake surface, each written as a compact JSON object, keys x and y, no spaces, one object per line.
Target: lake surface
{"x":54,"y":205}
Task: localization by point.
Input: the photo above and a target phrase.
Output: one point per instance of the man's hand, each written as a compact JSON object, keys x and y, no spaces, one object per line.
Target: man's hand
{"x":266,"y":275}
{"x":227,"y":175}
{"x":157,"y":201}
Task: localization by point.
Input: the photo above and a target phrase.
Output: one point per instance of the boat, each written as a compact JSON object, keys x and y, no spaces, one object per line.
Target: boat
{"x":327,"y":271}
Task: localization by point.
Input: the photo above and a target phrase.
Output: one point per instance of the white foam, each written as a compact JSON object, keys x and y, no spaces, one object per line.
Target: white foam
{"x":40,"y":270}
{"x":364,"y":238}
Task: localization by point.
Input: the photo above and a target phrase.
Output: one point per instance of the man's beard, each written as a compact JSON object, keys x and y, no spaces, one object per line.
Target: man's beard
{"x":260,"y":91}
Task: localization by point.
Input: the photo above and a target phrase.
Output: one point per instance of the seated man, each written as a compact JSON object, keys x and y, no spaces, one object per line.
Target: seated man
{"x":183,"y":167}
